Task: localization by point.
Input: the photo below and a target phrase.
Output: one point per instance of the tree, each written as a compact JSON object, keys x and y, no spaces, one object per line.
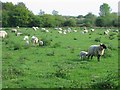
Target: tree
{"x":105,"y":9}
{"x":70,"y":22}
{"x":19,"y":16}
{"x":41,"y":12}
{"x":89,"y":19}
{"x":54,"y":12}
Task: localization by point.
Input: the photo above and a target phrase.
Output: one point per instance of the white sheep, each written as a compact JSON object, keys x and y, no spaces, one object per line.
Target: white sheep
{"x":83,"y":54}
{"x":14,"y":30}
{"x":60,"y":32}
{"x":18,"y":33}
{"x":34,"y":28}
{"x":18,"y":27}
{"x":85,"y":31}
{"x":41,"y":43}
{"x":92,"y":30}
{"x":26,"y":38}
{"x":106,"y":32}
{"x":34,"y":40}
{"x":96,"y":50}
{"x":27,"y":43}
{"x":3,"y":34}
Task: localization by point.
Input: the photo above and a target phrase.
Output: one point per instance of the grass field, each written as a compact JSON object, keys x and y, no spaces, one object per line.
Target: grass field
{"x":57,"y":64}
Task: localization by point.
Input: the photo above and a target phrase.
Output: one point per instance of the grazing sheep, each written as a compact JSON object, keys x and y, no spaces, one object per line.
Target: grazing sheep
{"x":34,"y":40}
{"x":3,"y":34}
{"x":18,"y":34}
{"x":18,"y":27}
{"x":92,"y":30}
{"x":106,"y":32}
{"x":26,"y":38}
{"x":41,"y":43}
{"x":14,"y":30}
{"x":46,"y":30}
{"x":85,"y":31}
{"x":26,"y":42}
{"x":83,"y":54}
{"x":34,"y":28}
{"x":60,"y":32}
{"x":96,"y":50}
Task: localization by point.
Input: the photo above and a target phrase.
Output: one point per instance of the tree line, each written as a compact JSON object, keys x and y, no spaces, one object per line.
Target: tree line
{"x":20,"y":15}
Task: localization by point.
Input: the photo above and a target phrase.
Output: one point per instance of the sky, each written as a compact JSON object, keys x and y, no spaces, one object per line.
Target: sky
{"x":67,"y":7}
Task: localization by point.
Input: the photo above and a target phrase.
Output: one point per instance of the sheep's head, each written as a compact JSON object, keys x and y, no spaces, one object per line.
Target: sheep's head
{"x":103,"y":46}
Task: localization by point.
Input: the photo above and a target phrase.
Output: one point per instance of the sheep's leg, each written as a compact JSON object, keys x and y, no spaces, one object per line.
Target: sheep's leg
{"x":98,"y":57}
{"x":88,"y":56}
{"x":91,"y":56}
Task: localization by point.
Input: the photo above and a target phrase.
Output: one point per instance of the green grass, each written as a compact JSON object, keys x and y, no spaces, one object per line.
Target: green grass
{"x":57,"y":64}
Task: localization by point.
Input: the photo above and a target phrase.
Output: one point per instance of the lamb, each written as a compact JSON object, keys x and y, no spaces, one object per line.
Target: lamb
{"x":83,"y":54}
{"x":96,"y":50}
{"x":41,"y":43}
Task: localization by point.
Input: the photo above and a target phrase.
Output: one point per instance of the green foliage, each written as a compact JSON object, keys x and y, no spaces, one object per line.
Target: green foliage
{"x":107,"y":82}
{"x":19,"y":15}
{"x":104,"y":9}
{"x":70,"y":22}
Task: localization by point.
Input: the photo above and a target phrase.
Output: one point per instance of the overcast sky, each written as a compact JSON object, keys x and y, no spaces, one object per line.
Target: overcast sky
{"x":67,"y":7}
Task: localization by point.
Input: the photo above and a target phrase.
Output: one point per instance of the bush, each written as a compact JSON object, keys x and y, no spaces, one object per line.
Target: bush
{"x":97,"y":39}
{"x":108,"y":82}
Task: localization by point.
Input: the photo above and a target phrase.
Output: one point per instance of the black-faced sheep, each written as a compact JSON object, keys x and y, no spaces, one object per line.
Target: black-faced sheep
{"x":96,"y":50}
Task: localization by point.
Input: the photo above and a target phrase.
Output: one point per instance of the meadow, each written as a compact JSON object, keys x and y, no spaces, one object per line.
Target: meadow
{"x":57,"y":64}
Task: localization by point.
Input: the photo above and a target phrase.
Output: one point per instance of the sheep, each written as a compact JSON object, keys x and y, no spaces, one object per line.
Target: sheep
{"x":92,"y":30}
{"x":41,"y":43}
{"x":46,"y":30}
{"x":18,"y":33}
{"x":14,"y":30}
{"x":60,"y":32}
{"x":106,"y":32}
{"x":96,"y":50}
{"x":83,"y":54}
{"x":34,"y":28}
{"x":85,"y":31}
{"x":3,"y":34}
{"x":26,"y":38}
{"x":18,"y":27}
{"x":75,"y":30}
{"x":26,"y":43}
{"x":34,"y":40}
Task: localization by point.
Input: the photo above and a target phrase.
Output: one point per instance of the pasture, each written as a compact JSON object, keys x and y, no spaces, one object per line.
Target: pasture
{"x":57,"y":64}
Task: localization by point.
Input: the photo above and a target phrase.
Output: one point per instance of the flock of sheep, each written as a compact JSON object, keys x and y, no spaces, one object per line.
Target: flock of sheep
{"x":93,"y":50}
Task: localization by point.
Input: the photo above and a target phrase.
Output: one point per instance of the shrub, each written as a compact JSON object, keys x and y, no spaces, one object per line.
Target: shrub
{"x":108,"y":82}
{"x":97,"y":39}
